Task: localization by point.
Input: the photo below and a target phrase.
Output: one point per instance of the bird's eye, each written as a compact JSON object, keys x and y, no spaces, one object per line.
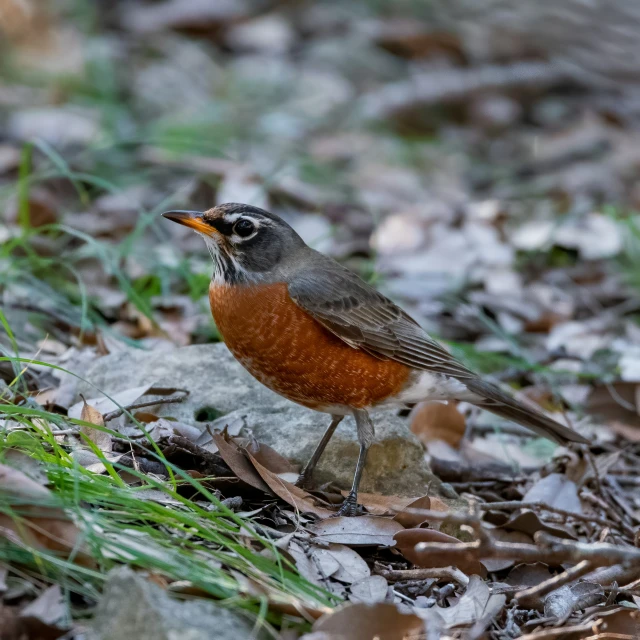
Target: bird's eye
{"x":244,"y":228}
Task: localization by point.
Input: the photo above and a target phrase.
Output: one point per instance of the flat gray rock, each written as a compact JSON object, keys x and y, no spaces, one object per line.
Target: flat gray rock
{"x":219,"y":386}
{"x":133,"y":607}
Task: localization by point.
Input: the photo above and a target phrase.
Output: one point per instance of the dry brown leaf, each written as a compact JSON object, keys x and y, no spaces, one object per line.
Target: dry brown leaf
{"x":364,"y":621}
{"x":438,"y":421}
{"x":42,"y":527}
{"x":105,"y":405}
{"x":529,"y":522}
{"x":101,"y":439}
{"x":356,"y":532}
{"x":296,"y":497}
{"x":526,"y":576}
{"x":407,"y":539}
{"x":238,"y":463}
{"x":620,"y":624}
{"x":409,"y":520}
{"x":379,"y":505}
{"x":270,"y":458}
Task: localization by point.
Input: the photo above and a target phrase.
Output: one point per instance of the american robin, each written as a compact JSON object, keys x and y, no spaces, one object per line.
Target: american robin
{"x":314,"y":332}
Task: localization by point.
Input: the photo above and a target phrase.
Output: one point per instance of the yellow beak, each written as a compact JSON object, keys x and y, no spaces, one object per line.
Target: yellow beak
{"x":191,"y":219}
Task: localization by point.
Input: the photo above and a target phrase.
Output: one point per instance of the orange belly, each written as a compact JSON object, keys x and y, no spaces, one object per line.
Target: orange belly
{"x":294,"y":355}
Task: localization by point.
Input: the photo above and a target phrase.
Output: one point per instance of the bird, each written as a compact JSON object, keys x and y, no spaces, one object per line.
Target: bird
{"x":314,"y":332}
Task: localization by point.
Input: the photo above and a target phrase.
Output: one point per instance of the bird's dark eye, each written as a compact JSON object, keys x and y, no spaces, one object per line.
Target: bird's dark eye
{"x":243,"y":227}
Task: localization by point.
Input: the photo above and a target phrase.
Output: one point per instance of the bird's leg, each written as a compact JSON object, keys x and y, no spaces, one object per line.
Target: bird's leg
{"x":304,"y":479}
{"x":366,"y":433}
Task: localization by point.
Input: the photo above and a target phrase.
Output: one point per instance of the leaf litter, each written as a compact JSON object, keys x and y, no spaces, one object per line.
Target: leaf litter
{"x":499,"y":215}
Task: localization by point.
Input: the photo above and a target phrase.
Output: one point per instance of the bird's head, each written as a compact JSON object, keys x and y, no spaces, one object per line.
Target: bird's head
{"x":245,"y":242}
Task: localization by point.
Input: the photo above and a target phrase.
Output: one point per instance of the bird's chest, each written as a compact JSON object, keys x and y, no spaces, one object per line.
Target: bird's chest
{"x":259,"y":324}
{"x":290,"y":352}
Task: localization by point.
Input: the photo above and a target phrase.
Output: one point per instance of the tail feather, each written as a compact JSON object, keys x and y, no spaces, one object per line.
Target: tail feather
{"x":504,"y":405}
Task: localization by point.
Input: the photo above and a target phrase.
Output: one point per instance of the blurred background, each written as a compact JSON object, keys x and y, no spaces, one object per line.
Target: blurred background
{"x":477,"y":161}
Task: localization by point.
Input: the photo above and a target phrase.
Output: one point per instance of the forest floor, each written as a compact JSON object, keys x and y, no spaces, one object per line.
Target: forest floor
{"x":499,"y":214}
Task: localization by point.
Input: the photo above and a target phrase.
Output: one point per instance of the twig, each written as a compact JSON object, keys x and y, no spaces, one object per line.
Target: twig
{"x":116,"y":413}
{"x":619,"y":574}
{"x":532,"y":597}
{"x":559,"y":632}
{"x":514,"y":505}
{"x":439,"y":573}
{"x":549,"y":550}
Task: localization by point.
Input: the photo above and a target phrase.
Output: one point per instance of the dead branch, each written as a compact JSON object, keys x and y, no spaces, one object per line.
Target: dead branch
{"x":548,"y":634}
{"x":550,"y":550}
{"x":514,"y":505}
{"x":438,"y":573}
{"x":617,"y":574}
{"x":116,"y":413}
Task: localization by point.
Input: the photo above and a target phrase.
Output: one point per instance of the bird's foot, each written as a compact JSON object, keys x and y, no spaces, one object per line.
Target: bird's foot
{"x":305,"y":480}
{"x":350,"y":506}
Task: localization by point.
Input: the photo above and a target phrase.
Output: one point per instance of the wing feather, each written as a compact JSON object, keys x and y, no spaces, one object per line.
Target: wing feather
{"x":367,"y":320}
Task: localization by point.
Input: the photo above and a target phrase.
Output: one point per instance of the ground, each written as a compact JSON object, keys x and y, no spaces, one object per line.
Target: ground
{"x":478,"y":166}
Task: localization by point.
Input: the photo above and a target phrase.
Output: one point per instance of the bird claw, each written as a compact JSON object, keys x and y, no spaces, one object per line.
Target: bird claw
{"x":350,"y":507}
{"x":304,"y":481}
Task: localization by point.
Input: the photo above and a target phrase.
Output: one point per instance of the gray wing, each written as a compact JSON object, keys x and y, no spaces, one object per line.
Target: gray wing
{"x":365,"y":319}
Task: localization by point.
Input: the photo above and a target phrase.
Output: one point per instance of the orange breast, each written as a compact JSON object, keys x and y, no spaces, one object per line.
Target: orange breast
{"x":293,"y":354}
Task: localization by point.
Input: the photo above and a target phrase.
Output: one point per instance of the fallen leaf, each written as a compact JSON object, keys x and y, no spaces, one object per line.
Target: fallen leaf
{"x":40,"y":526}
{"x":622,"y":624}
{"x":238,"y":463}
{"x":48,"y":608}
{"x":624,"y":430}
{"x":362,"y":621}
{"x":370,"y":590}
{"x":270,"y":458}
{"x":350,"y":565}
{"x":500,"y":535}
{"x":305,"y":563}
{"x":530,"y":522}
{"x":438,"y":421}
{"x":105,"y":405}
{"x":526,"y":576}
{"x":296,"y":497}
{"x":567,"y":599}
{"x":31,"y":467}
{"x":555,"y":490}
{"x":619,"y":401}
{"x":101,"y":439}
{"x":408,"y":519}
{"x":407,"y":539}
{"x":91,"y":462}
{"x":476,"y":604}
{"x":378,"y":505}
{"x":356,"y":532}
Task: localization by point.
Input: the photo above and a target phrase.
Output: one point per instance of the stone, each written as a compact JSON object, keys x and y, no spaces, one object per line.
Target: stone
{"x":395,"y":464}
{"x":216,"y":382}
{"x":134,"y":607}
{"x":219,"y":386}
